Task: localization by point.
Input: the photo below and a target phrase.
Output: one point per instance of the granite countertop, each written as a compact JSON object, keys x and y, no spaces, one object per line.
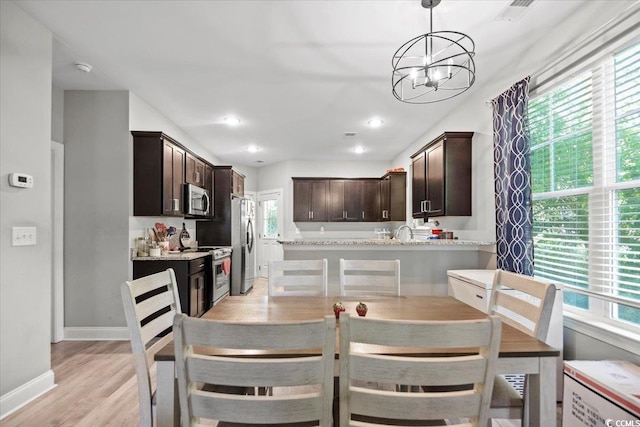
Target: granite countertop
{"x":384,"y":242}
{"x":183,"y":256}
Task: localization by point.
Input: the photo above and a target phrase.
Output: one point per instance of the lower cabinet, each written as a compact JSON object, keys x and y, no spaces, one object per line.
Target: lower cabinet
{"x":193,"y":277}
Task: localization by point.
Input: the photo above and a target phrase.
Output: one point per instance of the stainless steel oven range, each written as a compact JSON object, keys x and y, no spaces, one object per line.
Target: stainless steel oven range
{"x":221,"y":270}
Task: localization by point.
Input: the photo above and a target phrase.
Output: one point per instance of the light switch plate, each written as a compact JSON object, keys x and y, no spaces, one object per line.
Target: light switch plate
{"x":23,"y":236}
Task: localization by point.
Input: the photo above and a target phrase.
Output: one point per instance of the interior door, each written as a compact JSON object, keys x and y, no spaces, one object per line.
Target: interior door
{"x":269,"y":229}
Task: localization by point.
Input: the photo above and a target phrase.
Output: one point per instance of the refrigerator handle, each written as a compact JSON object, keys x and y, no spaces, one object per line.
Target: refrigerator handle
{"x":249,"y":235}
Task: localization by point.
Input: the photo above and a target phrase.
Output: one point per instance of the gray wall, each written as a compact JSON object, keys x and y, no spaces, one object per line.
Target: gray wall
{"x":97,"y":170}
{"x":25,"y":146}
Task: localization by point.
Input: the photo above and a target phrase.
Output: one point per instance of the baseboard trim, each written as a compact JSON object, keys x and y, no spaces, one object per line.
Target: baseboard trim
{"x":17,"y":398}
{"x":96,"y":334}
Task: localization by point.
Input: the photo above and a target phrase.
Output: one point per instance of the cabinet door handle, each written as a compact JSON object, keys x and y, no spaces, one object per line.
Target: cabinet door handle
{"x":197,"y":176}
{"x":427,"y":204}
{"x":176,"y":204}
{"x":479,"y":296}
{"x":344,"y":214}
{"x":362,"y":214}
{"x":311,"y":214}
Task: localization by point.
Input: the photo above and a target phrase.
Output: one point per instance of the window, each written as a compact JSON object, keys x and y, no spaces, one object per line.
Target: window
{"x":585,"y":164}
{"x":270,"y":224}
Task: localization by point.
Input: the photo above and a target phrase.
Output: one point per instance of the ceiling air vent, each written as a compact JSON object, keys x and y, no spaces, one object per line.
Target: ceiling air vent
{"x":521,"y":3}
{"x":515,"y":11}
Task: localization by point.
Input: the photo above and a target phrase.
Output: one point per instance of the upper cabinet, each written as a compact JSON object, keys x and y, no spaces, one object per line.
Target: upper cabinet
{"x":441,"y":177}
{"x":161,"y":167}
{"x":158,"y":175}
{"x":237,"y":183}
{"x":310,"y":199}
{"x":349,"y":199}
{"x":393,"y":197}
{"x":194,"y":171}
{"x":370,"y":210}
{"x":344,"y":200}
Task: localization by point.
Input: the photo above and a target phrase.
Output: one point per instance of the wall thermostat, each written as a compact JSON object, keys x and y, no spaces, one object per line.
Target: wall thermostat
{"x":20,"y":180}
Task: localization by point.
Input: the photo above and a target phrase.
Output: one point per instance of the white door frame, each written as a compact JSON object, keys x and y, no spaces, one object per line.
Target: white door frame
{"x":267,"y":195}
{"x":57,"y":242}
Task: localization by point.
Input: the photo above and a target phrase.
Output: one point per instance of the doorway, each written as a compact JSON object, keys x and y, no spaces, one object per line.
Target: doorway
{"x":57,"y":242}
{"x":269,"y":229}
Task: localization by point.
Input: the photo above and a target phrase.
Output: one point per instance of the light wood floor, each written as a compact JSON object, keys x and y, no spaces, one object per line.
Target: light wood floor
{"x":97,"y":386}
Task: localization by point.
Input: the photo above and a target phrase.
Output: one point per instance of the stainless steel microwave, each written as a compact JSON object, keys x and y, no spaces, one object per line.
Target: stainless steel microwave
{"x":197,"y":201}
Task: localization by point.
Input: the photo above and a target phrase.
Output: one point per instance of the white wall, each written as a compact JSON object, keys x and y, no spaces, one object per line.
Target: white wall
{"x":25,"y":146}
{"x":97,"y":187}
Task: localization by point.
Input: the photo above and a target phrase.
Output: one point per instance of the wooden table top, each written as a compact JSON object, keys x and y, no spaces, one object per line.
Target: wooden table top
{"x":249,"y":309}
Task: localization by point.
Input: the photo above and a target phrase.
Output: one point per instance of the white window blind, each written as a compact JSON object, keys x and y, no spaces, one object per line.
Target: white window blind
{"x":585,"y":162}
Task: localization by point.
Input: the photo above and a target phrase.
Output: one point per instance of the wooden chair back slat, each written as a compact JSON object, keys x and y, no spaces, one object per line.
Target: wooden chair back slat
{"x":256,"y":373}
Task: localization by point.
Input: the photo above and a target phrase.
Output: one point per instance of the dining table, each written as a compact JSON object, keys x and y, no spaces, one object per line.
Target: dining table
{"x":519,"y":353}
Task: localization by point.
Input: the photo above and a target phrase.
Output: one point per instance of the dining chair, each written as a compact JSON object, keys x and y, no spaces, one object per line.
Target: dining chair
{"x":298,"y":278}
{"x":284,"y":355}
{"x":367,"y":354}
{"x":369,"y":277}
{"x":150,"y":304}
{"x":526,"y":304}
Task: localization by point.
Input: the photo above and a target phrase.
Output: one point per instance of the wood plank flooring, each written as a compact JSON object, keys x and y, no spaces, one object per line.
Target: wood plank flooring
{"x":97,"y":386}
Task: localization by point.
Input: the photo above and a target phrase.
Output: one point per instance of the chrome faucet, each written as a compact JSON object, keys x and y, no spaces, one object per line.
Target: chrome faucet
{"x":397,"y":235}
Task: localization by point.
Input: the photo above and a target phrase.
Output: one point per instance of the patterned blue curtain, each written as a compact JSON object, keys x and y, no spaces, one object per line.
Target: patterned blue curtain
{"x":512,"y":176}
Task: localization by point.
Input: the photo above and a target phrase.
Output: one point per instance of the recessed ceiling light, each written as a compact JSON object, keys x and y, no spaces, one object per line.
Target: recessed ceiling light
{"x":375,"y":123}
{"x":358,"y":150}
{"x":253,"y":149}
{"x":232,"y":121}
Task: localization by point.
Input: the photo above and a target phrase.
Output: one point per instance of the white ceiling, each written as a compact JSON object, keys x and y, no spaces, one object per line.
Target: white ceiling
{"x":299,"y":74}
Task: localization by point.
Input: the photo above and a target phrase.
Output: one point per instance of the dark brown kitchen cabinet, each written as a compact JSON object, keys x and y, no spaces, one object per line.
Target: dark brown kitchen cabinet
{"x":237,"y":183}
{"x":441,"y":177}
{"x":393,"y":197}
{"x":370,"y":200}
{"x":193,"y":277}
{"x":208,"y":183}
{"x":194,"y":171}
{"x":344,"y":200}
{"x":350,"y":199}
{"x":158,"y":175}
{"x":310,"y":199}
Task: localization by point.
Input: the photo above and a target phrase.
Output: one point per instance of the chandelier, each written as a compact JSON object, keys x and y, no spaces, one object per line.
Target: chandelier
{"x":433,"y":67}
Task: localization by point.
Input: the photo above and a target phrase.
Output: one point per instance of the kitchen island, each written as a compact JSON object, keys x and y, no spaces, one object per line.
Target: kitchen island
{"x":423,"y":263}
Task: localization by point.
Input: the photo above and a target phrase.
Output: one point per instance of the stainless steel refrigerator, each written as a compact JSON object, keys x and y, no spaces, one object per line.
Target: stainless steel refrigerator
{"x":243,"y":258}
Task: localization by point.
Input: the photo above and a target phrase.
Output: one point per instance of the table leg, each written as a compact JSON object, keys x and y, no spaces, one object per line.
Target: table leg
{"x":542,"y":394}
{"x":167,"y":402}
